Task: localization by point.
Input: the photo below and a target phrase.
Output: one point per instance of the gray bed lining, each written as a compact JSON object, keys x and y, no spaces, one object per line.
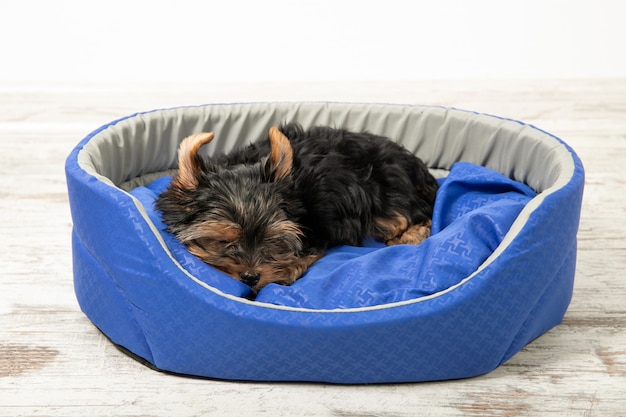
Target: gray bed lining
{"x":143,"y":147}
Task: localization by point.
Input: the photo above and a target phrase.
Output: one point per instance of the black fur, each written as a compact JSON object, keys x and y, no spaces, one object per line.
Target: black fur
{"x":343,"y":180}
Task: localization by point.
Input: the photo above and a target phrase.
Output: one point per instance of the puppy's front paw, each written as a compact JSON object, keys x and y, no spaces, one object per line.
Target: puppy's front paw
{"x":414,"y":235}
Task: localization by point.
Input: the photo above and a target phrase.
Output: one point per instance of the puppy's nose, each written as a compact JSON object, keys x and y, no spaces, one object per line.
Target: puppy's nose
{"x":249,"y":278}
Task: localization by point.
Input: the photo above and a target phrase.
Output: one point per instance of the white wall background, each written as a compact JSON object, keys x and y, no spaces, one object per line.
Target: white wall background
{"x":320,"y":40}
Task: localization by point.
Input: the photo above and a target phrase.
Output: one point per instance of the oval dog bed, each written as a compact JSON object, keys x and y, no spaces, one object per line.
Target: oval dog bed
{"x":496,"y":273}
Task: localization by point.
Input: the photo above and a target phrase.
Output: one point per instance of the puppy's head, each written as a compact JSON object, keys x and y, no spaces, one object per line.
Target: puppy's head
{"x":236,"y":218}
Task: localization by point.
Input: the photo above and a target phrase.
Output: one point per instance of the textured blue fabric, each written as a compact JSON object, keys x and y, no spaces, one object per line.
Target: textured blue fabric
{"x":474,"y":209}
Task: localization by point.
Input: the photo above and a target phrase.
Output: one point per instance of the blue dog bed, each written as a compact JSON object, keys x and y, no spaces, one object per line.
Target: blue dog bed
{"x":496,"y":273}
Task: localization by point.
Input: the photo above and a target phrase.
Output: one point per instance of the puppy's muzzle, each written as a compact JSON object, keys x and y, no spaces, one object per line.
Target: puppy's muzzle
{"x":249,"y":278}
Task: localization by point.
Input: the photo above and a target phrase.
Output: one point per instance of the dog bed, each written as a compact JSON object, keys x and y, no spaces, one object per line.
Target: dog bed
{"x":497,"y":272}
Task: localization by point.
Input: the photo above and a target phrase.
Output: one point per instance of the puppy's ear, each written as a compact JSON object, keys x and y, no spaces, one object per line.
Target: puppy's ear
{"x":282,"y":155}
{"x":189,"y":163}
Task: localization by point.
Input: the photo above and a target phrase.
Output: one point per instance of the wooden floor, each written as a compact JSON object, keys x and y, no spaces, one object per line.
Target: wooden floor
{"x":53,"y":361}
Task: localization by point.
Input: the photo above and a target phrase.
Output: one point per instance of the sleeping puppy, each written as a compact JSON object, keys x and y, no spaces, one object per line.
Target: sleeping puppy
{"x":265,"y":213}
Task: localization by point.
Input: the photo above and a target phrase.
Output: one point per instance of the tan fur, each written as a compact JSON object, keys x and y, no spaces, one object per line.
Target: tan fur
{"x":282,"y":154}
{"x":220,"y":231}
{"x":291,"y":272}
{"x":389,"y":228}
{"x":188,"y":167}
{"x":414,"y":235}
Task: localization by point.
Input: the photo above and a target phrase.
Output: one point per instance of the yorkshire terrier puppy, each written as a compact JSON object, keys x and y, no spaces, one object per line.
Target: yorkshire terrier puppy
{"x":266,"y":212}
